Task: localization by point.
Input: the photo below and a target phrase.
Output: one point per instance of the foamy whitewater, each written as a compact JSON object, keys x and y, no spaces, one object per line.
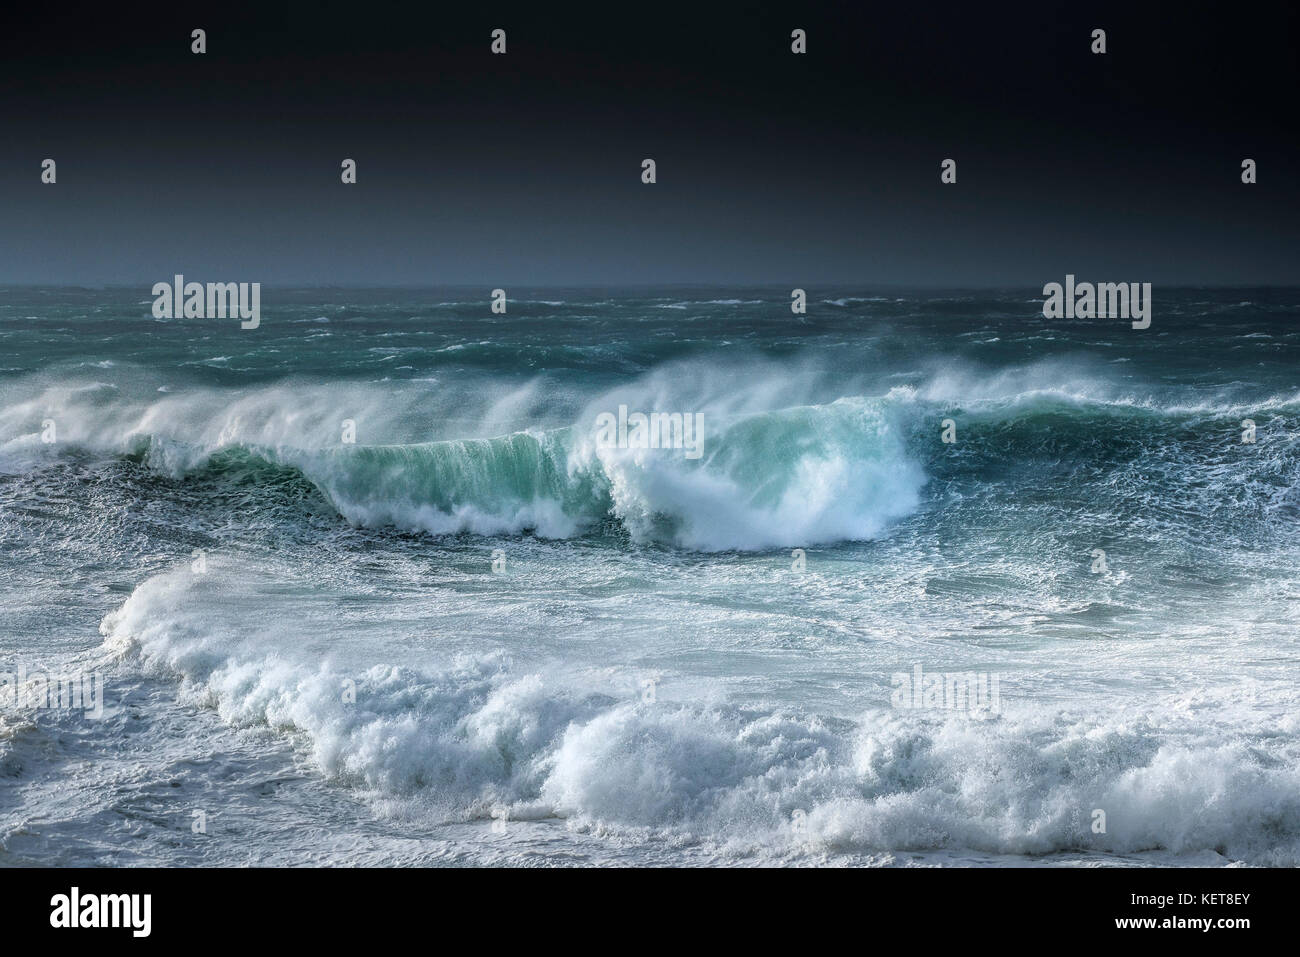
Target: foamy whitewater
{"x":477,"y":635}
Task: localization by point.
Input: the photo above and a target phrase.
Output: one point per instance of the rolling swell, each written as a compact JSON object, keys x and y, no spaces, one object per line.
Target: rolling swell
{"x":801,"y":475}
{"x":791,"y":477}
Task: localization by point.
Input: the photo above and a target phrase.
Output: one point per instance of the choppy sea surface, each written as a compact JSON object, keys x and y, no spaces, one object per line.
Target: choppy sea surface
{"x":474,"y":634}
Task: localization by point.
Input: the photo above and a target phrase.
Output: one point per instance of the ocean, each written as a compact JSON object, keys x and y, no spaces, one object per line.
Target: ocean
{"x":363,"y":585}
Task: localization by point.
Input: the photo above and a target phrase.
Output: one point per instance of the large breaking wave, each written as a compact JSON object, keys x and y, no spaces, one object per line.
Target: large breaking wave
{"x":787,"y":459}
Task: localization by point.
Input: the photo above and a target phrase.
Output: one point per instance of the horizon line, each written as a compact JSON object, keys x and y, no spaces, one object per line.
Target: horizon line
{"x":289,"y":285}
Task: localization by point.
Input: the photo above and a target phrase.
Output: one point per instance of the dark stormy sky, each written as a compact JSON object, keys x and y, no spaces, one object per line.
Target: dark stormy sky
{"x":525,"y":168}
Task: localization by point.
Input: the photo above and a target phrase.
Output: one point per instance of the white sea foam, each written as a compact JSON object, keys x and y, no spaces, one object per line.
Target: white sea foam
{"x":1178,"y":774}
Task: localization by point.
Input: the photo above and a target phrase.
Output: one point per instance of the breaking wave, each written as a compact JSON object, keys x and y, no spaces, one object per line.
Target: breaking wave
{"x":479,"y":736}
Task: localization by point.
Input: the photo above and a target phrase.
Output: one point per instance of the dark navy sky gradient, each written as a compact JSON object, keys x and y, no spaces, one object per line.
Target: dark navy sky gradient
{"x":525,"y":169}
